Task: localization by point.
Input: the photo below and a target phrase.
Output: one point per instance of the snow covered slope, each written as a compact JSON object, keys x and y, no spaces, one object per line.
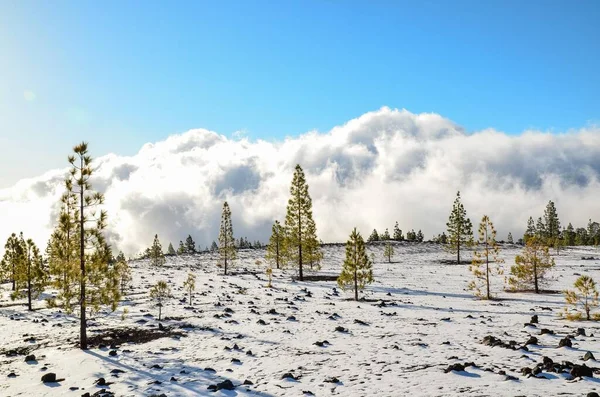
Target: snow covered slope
{"x":416,"y":320}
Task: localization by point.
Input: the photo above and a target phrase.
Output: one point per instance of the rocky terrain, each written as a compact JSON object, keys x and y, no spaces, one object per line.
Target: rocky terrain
{"x":417,"y":332}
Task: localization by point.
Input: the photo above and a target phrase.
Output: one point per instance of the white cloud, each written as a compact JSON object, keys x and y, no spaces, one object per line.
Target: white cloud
{"x":381,"y":167}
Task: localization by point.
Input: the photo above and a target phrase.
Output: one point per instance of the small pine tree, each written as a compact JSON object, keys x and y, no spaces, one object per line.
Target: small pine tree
{"x":385,"y":236}
{"x":190,"y":245}
{"x":124,"y":271}
{"x":181,"y":249}
{"x":301,"y":240}
{"x":490,"y":250}
{"x":357,"y":270}
{"x":420,"y":237}
{"x":374,"y":236}
{"x":160,"y":292}
{"x":388,"y":251}
{"x":276,"y":249}
{"x":585,"y":296}
{"x":530,"y":231}
{"x":30,"y":274}
{"x":552,"y":226}
{"x":227,"y":248}
{"x":411,"y":236}
{"x":398,"y":233}
{"x":190,"y":285}
{"x":460,"y":229}
{"x":13,"y":258}
{"x":269,"y":272}
{"x":531,"y":266}
{"x":314,"y":255}
{"x":509,"y":239}
{"x":157,"y":258}
{"x":171,"y":251}
{"x":214,"y":246}
{"x":540,"y":230}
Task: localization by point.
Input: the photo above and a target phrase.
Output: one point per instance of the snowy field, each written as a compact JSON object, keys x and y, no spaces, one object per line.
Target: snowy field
{"x":416,"y":320}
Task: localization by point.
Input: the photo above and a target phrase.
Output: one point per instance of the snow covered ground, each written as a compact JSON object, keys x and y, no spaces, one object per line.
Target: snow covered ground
{"x":417,"y":320}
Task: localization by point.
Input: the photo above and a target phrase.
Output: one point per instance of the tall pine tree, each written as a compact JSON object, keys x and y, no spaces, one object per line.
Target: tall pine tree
{"x":398,"y":233}
{"x":227,"y":250}
{"x":299,"y":224}
{"x":31,"y":274}
{"x":190,"y":245}
{"x":13,"y":258}
{"x":92,"y":248}
{"x":357,"y":270}
{"x":552,"y":226}
{"x":530,"y":231}
{"x":460,"y":229}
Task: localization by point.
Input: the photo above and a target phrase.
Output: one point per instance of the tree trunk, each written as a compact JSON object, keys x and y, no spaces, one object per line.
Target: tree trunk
{"x":277,"y":253}
{"x":29,"y":281}
{"x":355,"y":276}
{"x":190,"y":298}
{"x":535,"y":276}
{"x":300,"y":243}
{"x":82,"y":320}
{"x":14,"y":285}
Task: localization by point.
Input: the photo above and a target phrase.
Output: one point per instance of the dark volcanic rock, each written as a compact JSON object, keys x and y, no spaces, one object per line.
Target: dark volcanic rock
{"x":50,"y":377}
{"x":588,"y":356}
{"x":534,"y":319}
{"x":455,"y":367}
{"x":30,"y":358}
{"x":565,"y":342}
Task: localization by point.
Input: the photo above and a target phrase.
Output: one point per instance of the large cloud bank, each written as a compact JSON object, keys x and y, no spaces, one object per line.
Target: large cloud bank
{"x":381,"y":167}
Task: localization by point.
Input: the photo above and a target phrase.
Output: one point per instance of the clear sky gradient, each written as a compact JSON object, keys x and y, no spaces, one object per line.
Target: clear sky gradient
{"x":122,"y":73}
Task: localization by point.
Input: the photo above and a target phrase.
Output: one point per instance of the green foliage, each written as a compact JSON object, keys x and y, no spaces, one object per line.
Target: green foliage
{"x":411,"y":236}
{"x":419,"y":236}
{"x":26,"y":267}
{"x":531,"y":231}
{"x":80,"y":221}
{"x":276,"y":250}
{"x":160,"y":292}
{"x":214,"y":246}
{"x":460,"y":229}
{"x":398,"y":236}
{"x":357,"y":270}
{"x":480,"y":266}
{"x":14,"y":256}
{"x":227,"y":250}
{"x":155,"y":253}
{"x":124,"y":272}
{"x":585,"y":296}
{"x":171,"y":250}
{"x":301,"y":235}
{"x":190,"y":245}
{"x":531,"y":266}
{"x":190,"y":285}
{"x":509,"y":239}
{"x":388,"y":251}
{"x":374,"y":236}
{"x":551,"y":226}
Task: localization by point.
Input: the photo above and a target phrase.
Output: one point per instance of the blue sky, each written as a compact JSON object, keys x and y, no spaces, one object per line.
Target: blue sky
{"x":122,"y":73}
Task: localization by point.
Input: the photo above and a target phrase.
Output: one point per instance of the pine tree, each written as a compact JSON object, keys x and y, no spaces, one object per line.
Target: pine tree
{"x":299,"y":225}
{"x":190,"y":245}
{"x":357,"y":270}
{"x":314,"y":255}
{"x":214,"y":246}
{"x":374,"y":236}
{"x":190,"y":285}
{"x":593,"y":232}
{"x":552,"y":226}
{"x":531,"y":266}
{"x":13,"y":258}
{"x":33,"y":275}
{"x":92,"y":247}
{"x":388,"y":251}
{"x":398,"y":233}
{"x":124,"y":272}
{"x":540,"y":230}
{"x":585,"y":296}
{"x":156,"y":256}
{"x":160,"y":292}
{"x":269,"y":272}
{"x":581,"y":236}
{"x":63,"y":251}
{"x":275,"y":249}
{"x":509,"y":239}
{"x":171,"y":251}
{"x":531,"y":231}
{"x":460,"y":229}
{"x":227,"y":248}
{"x":181,"y":249}
{"x":569,"y":235}
{"x":411,"y":236}
{"x":480,"y":266}
{"x":385,"y":236}
{"x":419,"y":237}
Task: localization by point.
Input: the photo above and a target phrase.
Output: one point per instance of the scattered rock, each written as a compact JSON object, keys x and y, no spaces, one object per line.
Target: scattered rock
{"x":356,"y":321}
{"x":455,"y":367}
{"x":532,"y":341}
{"x":534,"y":319}
{"x":50,"y":377}
{"x":112,"y":353}
{"x":565,"y":342}
{"x":30,"y":358}
{"x":341,"y":329}
{"x":588,"y":356}
{"x":581,"y":331}
{"x":289,"y":375}
{"x":332,"y":379}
